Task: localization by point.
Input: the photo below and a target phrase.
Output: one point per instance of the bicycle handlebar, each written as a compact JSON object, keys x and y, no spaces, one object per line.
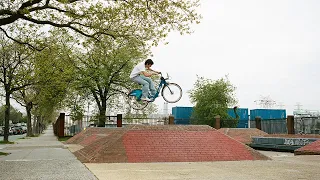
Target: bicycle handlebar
{"x":168,"y":77}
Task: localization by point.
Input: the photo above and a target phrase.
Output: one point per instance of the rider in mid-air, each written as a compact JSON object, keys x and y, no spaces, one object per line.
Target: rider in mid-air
{"x":140,"y":76}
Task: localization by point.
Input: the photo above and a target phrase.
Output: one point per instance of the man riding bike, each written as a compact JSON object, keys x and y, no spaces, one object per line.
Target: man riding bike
{"x":142,"y":77}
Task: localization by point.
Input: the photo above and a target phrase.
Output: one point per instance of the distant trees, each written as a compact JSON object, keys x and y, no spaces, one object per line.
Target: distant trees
{"x":15,"y":115}
{"x":211,"y":98}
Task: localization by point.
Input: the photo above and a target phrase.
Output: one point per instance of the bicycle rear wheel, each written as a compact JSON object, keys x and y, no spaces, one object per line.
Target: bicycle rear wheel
{"x":171,"y":92}
{"x":135,"y":104}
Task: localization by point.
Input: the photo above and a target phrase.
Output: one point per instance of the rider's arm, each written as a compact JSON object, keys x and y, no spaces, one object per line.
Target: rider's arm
{"x":146,"y":74}
{"x":153,"y":71}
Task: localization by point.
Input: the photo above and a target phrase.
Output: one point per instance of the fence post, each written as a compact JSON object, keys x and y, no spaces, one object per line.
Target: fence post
{"x":290,"y":124}
{"x":119,"y":120}
{"x":61,"y":124}
{"x":171,"y":120}
{"x":258,"y":122}
{"x":218,"y":122}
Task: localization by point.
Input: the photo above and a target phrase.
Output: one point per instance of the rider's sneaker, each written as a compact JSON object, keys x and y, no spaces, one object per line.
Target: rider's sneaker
{"x":145,"y":99}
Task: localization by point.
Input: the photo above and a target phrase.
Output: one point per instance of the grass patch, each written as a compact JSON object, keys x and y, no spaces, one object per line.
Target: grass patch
{"x":6,"y":142}
{"x":35,"y":135}
{"x":65,"y":138}
{"x":25,"y":138}
{"x":3,"y":154}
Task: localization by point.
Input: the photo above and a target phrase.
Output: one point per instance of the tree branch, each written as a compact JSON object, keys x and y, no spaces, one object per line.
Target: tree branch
{"x":20,"y":42}
{"x":29,"y":3}
{"x":20,"y":87}
{"x":118,"y":71}
{"x":58,"y":25}
{"x":96,"y":97}
{"x":5,"y":12}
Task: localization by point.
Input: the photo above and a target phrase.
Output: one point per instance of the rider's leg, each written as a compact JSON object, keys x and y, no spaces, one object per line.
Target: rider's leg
{"x":145,"y":85}
{"x":151,"y":85}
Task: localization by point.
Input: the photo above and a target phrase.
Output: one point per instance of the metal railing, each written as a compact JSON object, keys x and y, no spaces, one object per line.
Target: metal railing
{"x":73,"y":127}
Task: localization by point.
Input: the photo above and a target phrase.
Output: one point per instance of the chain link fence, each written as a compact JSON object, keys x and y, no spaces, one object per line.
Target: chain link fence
{"x":272,"y":126}
{"x":307,"y":125}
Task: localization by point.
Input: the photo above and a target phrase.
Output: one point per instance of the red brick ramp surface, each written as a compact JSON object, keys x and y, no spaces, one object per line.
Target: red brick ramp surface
{"x":169,"y":143}
{"x":243,"y":135}
{"x":310,"y":149}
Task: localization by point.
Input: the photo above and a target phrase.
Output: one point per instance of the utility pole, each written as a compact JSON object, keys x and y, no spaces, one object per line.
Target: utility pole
{"x":298,"y":106}
{"x":265,"y":102}
{"x":281,"y":105}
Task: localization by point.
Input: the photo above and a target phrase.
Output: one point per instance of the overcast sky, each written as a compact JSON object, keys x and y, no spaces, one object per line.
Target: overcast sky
{"x":267,"y":47}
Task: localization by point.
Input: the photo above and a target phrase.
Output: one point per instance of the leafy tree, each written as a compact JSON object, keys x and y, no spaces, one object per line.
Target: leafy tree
{"x":76,"y":103}
{"x":51,"y":77}
{"x":15,"y":115}
{"x":147,"y":20}
{"x":211,"y":98}
{"x":104,"y":69}
{"x":14,"y":69}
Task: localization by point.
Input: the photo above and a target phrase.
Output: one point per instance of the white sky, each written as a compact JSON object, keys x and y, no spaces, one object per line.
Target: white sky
{"x":267,"y":47}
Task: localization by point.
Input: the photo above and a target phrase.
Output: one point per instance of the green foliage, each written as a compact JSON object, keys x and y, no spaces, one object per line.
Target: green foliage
{"x":102,"y":72}
{"x":211,"y":98}
{"x":65,"y":138}
{"x":35,"y":135}
{"x":91,"y":47}
{"x":54,"y":74}
{"x":3,"y":154}
{"x":15,"y":115}
{"x":77,"y":113}
{"x":6,"y":142}
{"x":148,"y":21}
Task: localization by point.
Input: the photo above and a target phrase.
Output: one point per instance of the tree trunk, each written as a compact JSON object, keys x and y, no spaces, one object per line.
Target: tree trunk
{"x":102,"y":114}
{"x":29,"y":125}
{"x":37,"y":128}
{"x":102,"y":117}
{"x":34,"y":129}
{"x":7,"y":118}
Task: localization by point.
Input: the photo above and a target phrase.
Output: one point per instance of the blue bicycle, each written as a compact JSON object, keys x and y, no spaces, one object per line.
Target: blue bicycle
{"x":171,"y":93}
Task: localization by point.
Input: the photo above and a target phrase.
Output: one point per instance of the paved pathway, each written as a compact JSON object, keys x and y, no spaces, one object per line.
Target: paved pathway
{"x":41,"y":157}
{"x":284,"y":166}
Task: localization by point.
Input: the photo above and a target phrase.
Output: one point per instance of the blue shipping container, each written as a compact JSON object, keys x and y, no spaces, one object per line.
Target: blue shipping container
{"x":182,"y":112}
{"x":268,"y":114}
{"x":182,"y":121}
{"x":242,"y":112}
{"x":243,"y":124}
{"x":182,"y":115}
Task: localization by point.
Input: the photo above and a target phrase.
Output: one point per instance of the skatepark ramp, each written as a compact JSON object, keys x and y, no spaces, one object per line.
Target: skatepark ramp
{"x":159,"y":143}
{"x":310,"y":149}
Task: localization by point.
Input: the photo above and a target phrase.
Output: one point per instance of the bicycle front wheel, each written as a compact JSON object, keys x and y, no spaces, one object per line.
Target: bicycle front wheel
{"x":171,"y":92}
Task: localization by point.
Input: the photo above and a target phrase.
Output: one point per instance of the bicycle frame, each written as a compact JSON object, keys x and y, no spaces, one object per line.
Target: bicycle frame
{"x":138,"y":93}
{"x":163,"y":82}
